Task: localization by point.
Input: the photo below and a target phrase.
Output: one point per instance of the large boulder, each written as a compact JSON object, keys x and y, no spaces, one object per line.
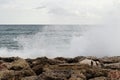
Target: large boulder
{"x":21,"y":68}
{"x":19,"y":64}
{"x":91,"y":62}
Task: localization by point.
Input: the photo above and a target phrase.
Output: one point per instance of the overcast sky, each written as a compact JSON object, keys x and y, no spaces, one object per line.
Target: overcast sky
{"x":55,"y":11}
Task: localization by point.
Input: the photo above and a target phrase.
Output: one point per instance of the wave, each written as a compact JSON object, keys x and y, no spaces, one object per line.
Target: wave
{"x":96,"y":41}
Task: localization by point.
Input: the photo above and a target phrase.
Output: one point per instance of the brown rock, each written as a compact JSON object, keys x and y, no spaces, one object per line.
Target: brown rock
{"x":99,"y":78}
{"x":114,"y":75}
{"x":19,"y":64}
{"x":112,"y":66}
{"x":30,"y":78}
{"x":77,"y":75}
{"x":38,"y":69}
{"x":7,"y":75}
{"x":107,"y":60}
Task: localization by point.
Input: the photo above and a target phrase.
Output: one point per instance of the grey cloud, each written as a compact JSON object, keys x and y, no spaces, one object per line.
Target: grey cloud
{"x":59,"y":11}
{"x":4,"y":1}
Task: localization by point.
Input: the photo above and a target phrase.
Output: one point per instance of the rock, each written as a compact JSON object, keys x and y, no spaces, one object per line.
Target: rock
{"x":91,"y":62}
{"x":7,"y":75}
{"x":21,"y":68}
{"x":99,"y":78}
{"x":38,"y":69}
{"x":30,"y":78}
{"x":114,"y":75}
{"x":58,"y":74}
{"x":112,"y":66}
{"x":60,"y":59}
{"x":25,"y":73}
{"x":3,"y":66}
{"x":108,"y":60}
{"x":9,"y":59}
{"x":78,"y":68}
{"x":77,"y":75}
{"x":19,"y":64}
{"x":48,"y":77}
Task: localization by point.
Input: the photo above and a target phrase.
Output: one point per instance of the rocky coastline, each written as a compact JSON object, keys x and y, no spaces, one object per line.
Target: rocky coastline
{"x":60,"y":68}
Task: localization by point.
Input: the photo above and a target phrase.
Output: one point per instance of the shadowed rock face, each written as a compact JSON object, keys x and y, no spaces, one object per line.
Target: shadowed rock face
{"x":78,"y":68}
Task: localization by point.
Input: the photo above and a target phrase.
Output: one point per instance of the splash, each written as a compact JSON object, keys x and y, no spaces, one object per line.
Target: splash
{"x":66,"y":42}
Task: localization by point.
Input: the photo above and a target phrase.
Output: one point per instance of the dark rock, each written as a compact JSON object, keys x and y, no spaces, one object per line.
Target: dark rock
{"x":38,"y":69}
{"x":30,"y":78}
{"x":9,"y":59}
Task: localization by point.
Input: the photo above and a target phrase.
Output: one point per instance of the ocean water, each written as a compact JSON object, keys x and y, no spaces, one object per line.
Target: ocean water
{"x":58,"y":36}
{"x":8,"y":34}
{"x":37,"y":40}
{"x":31,"y":41}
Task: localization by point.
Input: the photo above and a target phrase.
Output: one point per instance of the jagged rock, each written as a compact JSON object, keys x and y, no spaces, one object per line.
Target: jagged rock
{"x":9,"y":59}
{"x":19,"y":64}
{"x":77,"y":75}
{"x":45,"y":76}
{"x":112,"y":66}
{"x":99,"y":78}
{"x":21,"y":68}
{"x":60,"y":59}
{"x":107,"y":60}
{"x":114,"y":75}
{"x":7,"y":75}
{"x":58,"y":74}
{"x":31,"y":78}
{"x":38,"y":69}
{"x":92,"y":58}
{"x":3,"y":66}
{"x":78,"y":68}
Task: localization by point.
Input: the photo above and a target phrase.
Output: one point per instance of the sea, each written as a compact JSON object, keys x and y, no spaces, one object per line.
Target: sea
{"x":31,"y":41}
{"x":37,"y":40}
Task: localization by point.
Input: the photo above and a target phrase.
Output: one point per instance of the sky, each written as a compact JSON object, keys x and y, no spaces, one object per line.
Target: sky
{"x":55,"y":11}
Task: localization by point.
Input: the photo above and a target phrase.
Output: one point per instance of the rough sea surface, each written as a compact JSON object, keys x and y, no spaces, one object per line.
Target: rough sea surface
{"x":59,"y":40}
{"x":38,"y":40}
{"x":58,"y":36}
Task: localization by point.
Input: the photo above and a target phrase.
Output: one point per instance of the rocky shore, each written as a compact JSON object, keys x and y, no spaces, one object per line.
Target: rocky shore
{"x":59,"y":68}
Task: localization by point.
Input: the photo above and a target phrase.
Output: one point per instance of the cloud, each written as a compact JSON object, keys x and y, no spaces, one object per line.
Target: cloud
{"x":80,"y":10}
